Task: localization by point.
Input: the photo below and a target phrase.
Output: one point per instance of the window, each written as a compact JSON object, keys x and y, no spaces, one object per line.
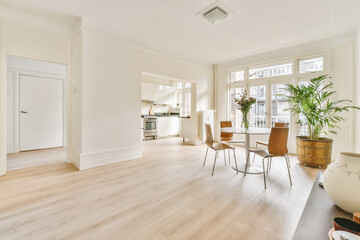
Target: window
{"x":303,"y":131}
{"x":311,"y":65}
{"x":187,"y":104}
{"x":271,"y":71}
{"x":187,"y":85}
{"x":179,"y":85}
{"x":257,"y":111}
{"x":179,"y":98}
{"x":266,"y":84}
{"x":278,"y":106}
{"x":237,"y":76}
{"x":235,"y":114}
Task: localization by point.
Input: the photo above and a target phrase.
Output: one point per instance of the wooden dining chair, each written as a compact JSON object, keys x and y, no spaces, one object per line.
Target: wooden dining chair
{"x":228,"y":137}
{"x":217,"y":147}
{"x":277,"y":124}
{"x":277,"y":147}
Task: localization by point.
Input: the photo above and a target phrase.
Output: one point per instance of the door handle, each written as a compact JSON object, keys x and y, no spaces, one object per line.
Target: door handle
{"x":23,"y":112}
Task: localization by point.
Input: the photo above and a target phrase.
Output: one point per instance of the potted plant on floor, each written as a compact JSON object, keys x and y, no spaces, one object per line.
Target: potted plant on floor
{"x":319,"y":110}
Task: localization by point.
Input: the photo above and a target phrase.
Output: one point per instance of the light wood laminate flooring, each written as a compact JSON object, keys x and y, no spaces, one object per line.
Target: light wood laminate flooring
{"x":166,"y":194}
{"x":36,"y":158}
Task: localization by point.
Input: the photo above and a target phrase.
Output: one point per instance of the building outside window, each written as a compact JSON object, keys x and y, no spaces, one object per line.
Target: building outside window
{"x":271,"y":71}
{"x":311,"y":65}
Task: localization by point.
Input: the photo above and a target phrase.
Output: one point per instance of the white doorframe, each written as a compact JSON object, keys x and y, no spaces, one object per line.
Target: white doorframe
{"x":19,"y":73}
{"x":3,"y":98}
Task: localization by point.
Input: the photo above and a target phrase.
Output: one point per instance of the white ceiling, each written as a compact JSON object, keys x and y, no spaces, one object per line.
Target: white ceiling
{"x":176,"y":27}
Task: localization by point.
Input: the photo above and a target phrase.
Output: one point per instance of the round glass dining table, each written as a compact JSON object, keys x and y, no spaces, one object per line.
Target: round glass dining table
{"x":251,"y":169}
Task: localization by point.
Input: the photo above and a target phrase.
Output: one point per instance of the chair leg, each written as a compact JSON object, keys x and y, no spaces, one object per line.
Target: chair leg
{"x":228,"y":152}
{"x":235,"y":162}
{"x":247,"y":163}
{"x":288,"y":159}
{"x":225,"y":157}
{"x":206,"y":156}
{"x":268,"y":165}
{"x":288,"y":168}
{"x":216,"y":155}
{"x":254,"y":153}
{"x":264,"y":172}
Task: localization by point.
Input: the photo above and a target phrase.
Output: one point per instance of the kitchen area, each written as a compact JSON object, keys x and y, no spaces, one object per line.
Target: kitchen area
{"x":166,"y":107}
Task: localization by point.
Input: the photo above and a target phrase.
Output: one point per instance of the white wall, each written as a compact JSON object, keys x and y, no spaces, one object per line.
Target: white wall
{"x":23,"y":65}
{"x":357,"y":91}
{"x":341,"y":69}
{"x":75,"y":107}
{"x":30,"y":42}
{"x":111,"y":95}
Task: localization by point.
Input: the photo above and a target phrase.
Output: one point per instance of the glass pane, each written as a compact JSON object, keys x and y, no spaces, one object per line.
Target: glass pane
{"x":187,"y":105}
{"x":303,"y":130}
{"x":237,"y":76}
{"x":278,"y":105}
{"x":179,"y":85}
{"x":271,"y":71}
{"x":258,"y":110}
{"x":179,"y":99}
{"x":311,"y":65}
{"x":235,"y":114}
{"x":150,"y":126}
{"x":187,"y":85}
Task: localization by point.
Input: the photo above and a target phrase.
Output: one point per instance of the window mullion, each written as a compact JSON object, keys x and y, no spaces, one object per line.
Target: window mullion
{"x":268,"y":104}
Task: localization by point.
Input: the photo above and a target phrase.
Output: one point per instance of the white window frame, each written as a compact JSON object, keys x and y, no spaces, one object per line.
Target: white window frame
{"x":294,"y":78}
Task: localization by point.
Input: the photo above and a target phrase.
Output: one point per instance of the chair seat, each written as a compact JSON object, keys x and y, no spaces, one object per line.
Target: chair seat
{"x":231,"y":140}
{"x":237,"y":141}
{"x":221,"y":146}
{"x":262,"y":143}
{"x":261,"y":152}
{"x":226,"y":139}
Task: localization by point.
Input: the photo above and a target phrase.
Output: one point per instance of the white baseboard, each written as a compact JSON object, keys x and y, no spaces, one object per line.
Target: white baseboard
{"x":96,"y":159}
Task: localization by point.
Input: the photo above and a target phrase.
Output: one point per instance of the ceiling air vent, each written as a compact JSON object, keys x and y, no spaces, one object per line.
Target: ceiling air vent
{"x":215,"y":15}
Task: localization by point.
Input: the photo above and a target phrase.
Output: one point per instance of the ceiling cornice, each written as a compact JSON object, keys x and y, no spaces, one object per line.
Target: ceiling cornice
{"x":12,"y":16}
{"x":116,"y":35}
{"x":306,"y":46}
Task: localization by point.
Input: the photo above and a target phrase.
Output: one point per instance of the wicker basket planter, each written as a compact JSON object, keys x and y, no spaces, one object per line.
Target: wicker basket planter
{"x":314,"y":153}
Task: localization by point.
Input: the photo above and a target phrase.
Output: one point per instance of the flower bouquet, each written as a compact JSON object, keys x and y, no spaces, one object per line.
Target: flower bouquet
{"x":244,"y":105}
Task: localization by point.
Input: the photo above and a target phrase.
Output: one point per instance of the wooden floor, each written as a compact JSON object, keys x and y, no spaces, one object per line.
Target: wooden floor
{"x":36,"y":158}
{"x":164,"y":195}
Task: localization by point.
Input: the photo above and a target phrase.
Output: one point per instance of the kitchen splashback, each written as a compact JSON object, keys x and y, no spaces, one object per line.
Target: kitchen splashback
{"x":158,"y":108}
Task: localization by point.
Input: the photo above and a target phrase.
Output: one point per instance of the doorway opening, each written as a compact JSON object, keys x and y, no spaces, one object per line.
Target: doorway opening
{"x":36,"y":126}
{"x":168,"y":108}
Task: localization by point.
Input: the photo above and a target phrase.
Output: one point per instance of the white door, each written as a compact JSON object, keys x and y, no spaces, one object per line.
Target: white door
{"x":41,"y":112}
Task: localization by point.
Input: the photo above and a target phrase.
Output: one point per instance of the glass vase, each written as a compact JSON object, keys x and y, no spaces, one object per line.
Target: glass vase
{"x":245,"y":122}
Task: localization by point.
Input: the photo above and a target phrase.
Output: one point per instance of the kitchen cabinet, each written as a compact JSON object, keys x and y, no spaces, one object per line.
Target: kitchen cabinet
{"x":159,"y":94}
{"x":148,"y":91}
{"x":168,"y":126}
{"x":164,"y":94}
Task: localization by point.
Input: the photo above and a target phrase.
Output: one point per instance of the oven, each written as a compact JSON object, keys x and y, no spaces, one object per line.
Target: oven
{"x":150,"y":126}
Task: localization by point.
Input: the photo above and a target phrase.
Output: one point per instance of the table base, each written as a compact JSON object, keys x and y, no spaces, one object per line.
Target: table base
{"x":250,"y":170}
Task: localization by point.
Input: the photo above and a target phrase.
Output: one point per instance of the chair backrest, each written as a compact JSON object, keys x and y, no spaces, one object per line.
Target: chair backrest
{"x":278,"y":141}
{"x":278,"y":124}
{"x":225,"y":134}
{"x":209,"y":137}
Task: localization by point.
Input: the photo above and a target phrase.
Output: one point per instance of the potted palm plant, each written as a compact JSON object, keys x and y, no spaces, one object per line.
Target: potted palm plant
{"x":320,"y":111}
